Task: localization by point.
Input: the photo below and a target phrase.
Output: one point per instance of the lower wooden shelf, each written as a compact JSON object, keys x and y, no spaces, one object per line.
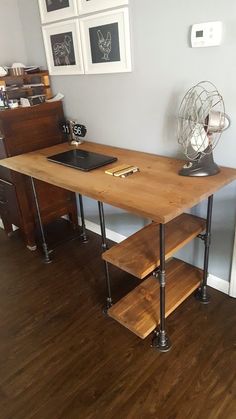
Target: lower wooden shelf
{"x":139,"y":310}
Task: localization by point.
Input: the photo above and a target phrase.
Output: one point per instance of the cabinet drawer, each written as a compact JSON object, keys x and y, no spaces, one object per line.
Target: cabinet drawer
{"x":3,"y":152}
{"x":8,"y":202}
{"x":5,"y":173}
{"x":3,"y":191}
{"x":4,"y":211}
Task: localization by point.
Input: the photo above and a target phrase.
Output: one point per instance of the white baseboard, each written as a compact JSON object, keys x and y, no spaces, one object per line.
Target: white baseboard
{"x":213,"y":281}
{"x":111,"y":235}
{"x":218,"y":283}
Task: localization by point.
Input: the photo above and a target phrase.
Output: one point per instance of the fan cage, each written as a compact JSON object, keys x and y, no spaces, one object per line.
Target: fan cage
{"x":193,"y":119}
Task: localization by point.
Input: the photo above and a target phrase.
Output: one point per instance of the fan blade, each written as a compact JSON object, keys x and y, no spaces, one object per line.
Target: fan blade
{"x":204,"y":108}
{"x":199,"y":140}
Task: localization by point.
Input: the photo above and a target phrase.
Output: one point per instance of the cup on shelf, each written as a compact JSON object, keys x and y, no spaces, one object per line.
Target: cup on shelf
{"x":13,"y":103}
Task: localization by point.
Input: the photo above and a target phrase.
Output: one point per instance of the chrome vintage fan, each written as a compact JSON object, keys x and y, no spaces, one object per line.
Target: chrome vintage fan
{"x":201,"y":121}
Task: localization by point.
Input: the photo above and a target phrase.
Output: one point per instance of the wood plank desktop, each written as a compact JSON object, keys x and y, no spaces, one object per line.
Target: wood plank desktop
{"x":156,"y":192}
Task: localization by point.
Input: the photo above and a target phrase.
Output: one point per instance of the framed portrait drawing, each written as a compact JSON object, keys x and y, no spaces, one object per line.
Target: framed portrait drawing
{"x":52,"y":10}
{"x":106,"y":42}
{"x":91,"y":6}
{"x":63,"y":48}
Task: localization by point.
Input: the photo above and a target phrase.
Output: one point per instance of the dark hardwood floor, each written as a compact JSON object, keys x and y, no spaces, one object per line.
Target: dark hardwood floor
{"x":60,"y":358}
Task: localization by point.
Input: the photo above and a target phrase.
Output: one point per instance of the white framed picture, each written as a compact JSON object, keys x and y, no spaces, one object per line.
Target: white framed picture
{"x":106,"y":42}
{"x":63,"y":47}
{"x":91,"y":6}
{"x":52,"y":10}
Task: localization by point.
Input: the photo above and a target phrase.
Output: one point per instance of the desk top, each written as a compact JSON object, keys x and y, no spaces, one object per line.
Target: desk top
{"x":156,"y":192}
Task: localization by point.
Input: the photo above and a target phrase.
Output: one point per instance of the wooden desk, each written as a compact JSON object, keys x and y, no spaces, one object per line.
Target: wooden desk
{"x":157,"y":192}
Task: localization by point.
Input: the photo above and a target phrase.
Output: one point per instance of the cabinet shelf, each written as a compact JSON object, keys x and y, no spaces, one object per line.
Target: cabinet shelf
{"x":39,"y":85}
{"x":139,"y":254}
{"x":139,"y":310}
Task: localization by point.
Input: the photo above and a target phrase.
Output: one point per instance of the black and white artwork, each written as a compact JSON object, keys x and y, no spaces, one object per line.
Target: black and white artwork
{"x":53,"y":10}
{"x":91,"y":6}
{"x":63,"y":47}
{"x":106,"y":42}
{"x":53,"y":5}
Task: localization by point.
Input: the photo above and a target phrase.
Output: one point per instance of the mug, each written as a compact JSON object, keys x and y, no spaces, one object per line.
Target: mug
{"x":13,"y":103}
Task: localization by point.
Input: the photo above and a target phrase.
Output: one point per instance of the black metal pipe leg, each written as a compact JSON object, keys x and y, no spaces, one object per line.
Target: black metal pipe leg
{"x":160,"y":339}
{"x":104,"y":248}
{"x":47,"y":258}
{"x":202,"y":293}
{"x":102,"y":226}
{"x":81,"y":207}
{"x":108,"y":286}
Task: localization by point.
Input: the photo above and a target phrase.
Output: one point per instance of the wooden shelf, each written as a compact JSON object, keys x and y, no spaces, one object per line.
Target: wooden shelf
{"x":33,"y":79}
{"x":139,"y":310}
{"x":139,"y":253}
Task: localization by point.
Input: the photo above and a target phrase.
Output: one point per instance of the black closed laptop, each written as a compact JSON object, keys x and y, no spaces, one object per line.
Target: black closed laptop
{"x":81,"y":159}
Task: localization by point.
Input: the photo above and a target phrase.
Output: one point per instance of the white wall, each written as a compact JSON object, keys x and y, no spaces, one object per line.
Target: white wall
{"x":138,"y":110}
{"x":12,"y":45}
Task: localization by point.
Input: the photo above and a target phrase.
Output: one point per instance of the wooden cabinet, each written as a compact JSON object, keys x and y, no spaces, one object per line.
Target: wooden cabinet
{"x":23,"y":130}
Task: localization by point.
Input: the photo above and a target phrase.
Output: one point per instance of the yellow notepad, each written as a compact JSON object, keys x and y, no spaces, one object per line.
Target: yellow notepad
{"x":117,"y":169}
{"x":122,"y":170}
{"x":128,"y":171}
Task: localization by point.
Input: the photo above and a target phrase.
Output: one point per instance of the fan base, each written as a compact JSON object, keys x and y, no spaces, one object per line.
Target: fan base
{"x":205,"y":166}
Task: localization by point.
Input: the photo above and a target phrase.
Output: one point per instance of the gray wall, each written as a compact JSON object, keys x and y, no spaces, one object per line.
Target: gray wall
{"x":12,"y":45}
{"x":138,"y":110}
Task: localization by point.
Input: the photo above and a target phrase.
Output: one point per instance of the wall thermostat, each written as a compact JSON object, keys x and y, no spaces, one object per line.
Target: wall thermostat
{"x":207,"y":34}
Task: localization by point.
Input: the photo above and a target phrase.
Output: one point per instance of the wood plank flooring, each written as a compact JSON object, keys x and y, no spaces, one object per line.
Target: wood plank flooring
{"x":60,"y":358}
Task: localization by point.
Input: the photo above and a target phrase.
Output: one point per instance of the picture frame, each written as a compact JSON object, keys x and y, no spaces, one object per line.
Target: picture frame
{"x":53,"y":10}
{"x":91,"y":6}
{"x":106,"y":42}
{"x":63,"y":49}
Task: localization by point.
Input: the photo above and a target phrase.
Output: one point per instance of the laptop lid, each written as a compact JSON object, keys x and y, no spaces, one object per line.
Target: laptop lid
{"x":82,"y":159}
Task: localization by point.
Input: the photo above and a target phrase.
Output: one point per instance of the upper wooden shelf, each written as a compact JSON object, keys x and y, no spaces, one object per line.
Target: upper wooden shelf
{"x":139,"y":254}
{"x":139,"y":310}
{"x":26,"y":76}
